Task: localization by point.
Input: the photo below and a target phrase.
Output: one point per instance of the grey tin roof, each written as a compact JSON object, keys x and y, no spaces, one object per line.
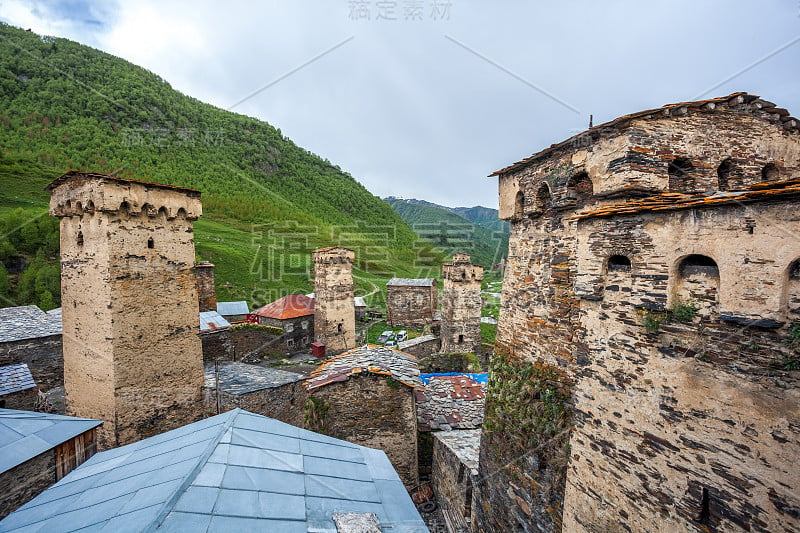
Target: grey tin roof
{"x":27,"y":322}
{"x":211,"y":320}
{"x":15,"y":378}
{"x":232,"y":308}
{"x":26,"y":434}
{"x":411,"y":282}
{"x":237,"y":471}
{"x":241,"y":378}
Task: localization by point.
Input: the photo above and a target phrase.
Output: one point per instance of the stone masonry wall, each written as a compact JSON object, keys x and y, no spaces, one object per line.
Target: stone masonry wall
{"x":23,"y":482}
{"x":461,"y":307}
{"x":43,"y":356}
{"x":373,"y":411}
{"x":410,"y":306}
{"x":284,"y":403}
{"x":334,"y":316}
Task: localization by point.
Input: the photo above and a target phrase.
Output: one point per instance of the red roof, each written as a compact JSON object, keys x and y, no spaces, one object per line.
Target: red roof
{"x":292,"y":306}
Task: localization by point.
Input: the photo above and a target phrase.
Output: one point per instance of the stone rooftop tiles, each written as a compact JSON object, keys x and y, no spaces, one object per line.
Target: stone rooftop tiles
{"x":465,"y":444}
{"x":410,"y":343}
{"x":15,"y":378}
{"x":450,"y":402}
{"x":27,"y":322}
{"x":411,"y":282}
{"x":241,"y":378}
{"x":236,"y":471}
{"x":26,"y":434}
{"x":371,"y":358}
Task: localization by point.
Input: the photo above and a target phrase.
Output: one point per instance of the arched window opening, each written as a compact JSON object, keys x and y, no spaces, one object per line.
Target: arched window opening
{"x":148,"y":210}
{"x":619,"y":263}
{"x":80,"y":238}
{"x":90,"y":207}
{"x":580,"y":189}
{"x":770,"y":172}
{"x":681,"y":175}
{"x":543,"y":198}
{"x":723,"y":175}
{"x":181,"y":213}
{"x":162,"y":213}
{"x":340,"y":328}
{"x":125,"y":208}
{"x":78,"y":208}
{"x":698,"y":264}
{"x":697,"y":285}
{"x":150,"y":243}
{"x":519,"y":205}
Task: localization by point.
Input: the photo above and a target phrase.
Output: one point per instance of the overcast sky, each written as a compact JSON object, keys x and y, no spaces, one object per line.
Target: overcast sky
{"x":424,"y":98}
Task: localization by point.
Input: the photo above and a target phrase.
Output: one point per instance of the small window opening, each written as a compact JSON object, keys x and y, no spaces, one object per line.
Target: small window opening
{"x":619,"y":263}
{"x":543,"y":198}
{"x":460,"y":339}
{"x":340,"y":328}
{"x":794,"y":270}
{"x":680,"y":175}
{"x":698,"y":264}
{"x":80,"y":238}
{"x":519,"y":205}
{"x":125,"y":208}
{"x":150,"y":243}
{"x":463,"y":274}
{"x":579,"y":188}
{"x":770,"y":172}
{"x":723,"y":174}
{"x":705,"y":506}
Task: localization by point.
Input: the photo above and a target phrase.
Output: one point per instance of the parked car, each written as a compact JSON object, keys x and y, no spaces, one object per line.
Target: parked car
{"x":390,"y":344}
{"x":402,"y":335}
{"x":385,"y":336}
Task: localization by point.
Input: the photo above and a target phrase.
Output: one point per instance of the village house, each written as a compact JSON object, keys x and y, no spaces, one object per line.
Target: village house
{"x":294,"y":315}
{"x":32,"y":337}
{"x":38,"y":449}
{"x":214,"y":336}
{"x":17,"y":388}
{"x":411,"y":302}
{"x":233,"y":311}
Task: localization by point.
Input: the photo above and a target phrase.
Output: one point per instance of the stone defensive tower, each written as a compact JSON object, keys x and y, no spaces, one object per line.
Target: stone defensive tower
{"x":334,"y":310}
{"x":461,"y":305}
{"x":132,"y":356}
{"x":206,"y":291}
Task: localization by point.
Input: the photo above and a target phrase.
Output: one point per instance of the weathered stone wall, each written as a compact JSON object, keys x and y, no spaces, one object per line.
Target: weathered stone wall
{"x":298,"y":333}
{"x":677,"y":328}
{"x":206,"y":291}
{"x":373,"y":411}
{"x":43,"y":356}
{"x":217,"y":345}
{"x":427,"y":345}
{"x":461,"y":306}
{"x":253,"y":340}
{"x":132,"y":355}
{"x":455,"y":469}
{"x":411,"y":306}
{"x":284,"y":403}
{"x":24,"y":482}
{"x":334,"y":309}
{"x":22,"y":400}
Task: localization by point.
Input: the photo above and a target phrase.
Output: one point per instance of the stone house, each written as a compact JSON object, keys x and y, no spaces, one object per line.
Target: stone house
{"x":294,"y":315}
{"x":17,"y":388}
{"x":455,"y":474}
{"x":411,"y":302}
{"x":652,"y":285}
{"x":30,"y":336}
{"x":366,"y":396}
{"x":461,"y":305}
{"x":214,"y":336}
{"x":38,"y":449}
{"x":257,"y":389}
{"x":450,"y":401}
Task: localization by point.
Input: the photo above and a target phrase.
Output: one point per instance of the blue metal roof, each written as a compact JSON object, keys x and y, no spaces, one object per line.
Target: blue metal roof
{"x":232,"y":308}
{"x":15,"y":378}
{"x":483,"y":379}
{"x":237,"y":471}
{"x":26,"y":434}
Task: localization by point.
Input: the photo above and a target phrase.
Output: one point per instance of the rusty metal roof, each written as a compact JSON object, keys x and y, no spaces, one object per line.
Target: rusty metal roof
{"x":669,"y":110}
{"x":671,"y":201}
{"x":372,"y":359}
{"x":292,"y":306}
{"x":97,"y":176}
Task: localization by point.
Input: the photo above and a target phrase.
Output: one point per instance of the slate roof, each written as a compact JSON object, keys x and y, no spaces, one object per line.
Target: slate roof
{"x":374,"y":359}
{"x":26,"y":434}
{"x":236,"y":471}
{"x":755,"y":105}
{"x":232,"y":308}
{"x":292,"y":306}
{"x":411,"y":282}
{"x":27,"y":322}
{"x":15,"y":378}
{"x":241,"y":378}
{"x":451,"y":401}
{"x":211,"y":320}
{"x":465,"y":444}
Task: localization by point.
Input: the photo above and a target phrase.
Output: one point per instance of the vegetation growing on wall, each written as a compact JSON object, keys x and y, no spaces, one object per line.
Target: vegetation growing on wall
{"x":315,"y":414}
{"x":527,"y":425}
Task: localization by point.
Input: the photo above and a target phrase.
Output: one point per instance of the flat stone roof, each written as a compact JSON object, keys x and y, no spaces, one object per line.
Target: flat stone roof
{"x":465,"y":444}
{"x":27,"y":322}
{"x":242,"y":378}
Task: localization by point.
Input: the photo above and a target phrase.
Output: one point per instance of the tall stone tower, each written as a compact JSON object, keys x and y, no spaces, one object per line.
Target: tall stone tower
{"x":461,"y":305}
{"x":206,"y":292}
{"x":334,"y":309}
{"x":132,"y":356}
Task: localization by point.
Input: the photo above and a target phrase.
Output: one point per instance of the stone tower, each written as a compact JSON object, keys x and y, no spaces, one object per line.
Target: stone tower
{"x":206,"y":292}
{"x":334,"y":311}
{"x":461,"y":305}
{"x":132,"y":356}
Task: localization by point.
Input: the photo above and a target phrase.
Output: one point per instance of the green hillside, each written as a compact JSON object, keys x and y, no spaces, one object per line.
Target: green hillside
{"x":267,"y":202}
{"x":483,"y":216}
{"x":451,"y":232}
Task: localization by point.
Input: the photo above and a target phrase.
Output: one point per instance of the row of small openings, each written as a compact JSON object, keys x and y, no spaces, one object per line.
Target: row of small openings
{"x":579,"y":190}
{"x":691,"y":264}
{"x":682,"y":179}
{"x":151,"y":211}
{"x":150,"y":242}
{"x":79,"y":207}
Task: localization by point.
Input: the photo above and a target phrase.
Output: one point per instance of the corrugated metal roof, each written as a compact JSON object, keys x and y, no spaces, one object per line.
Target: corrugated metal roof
{"x":292,"y":306}
{"x":241,"y":378}
{"x":411,"y":282}
{"x":232,"y":308}
{"x":211,"y":320}
{"x":374,"y":359}
{"x":27,"y":322}
{"x":26,"y":434}
{"x":15,"y":378}
{"x":237,"y":471}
